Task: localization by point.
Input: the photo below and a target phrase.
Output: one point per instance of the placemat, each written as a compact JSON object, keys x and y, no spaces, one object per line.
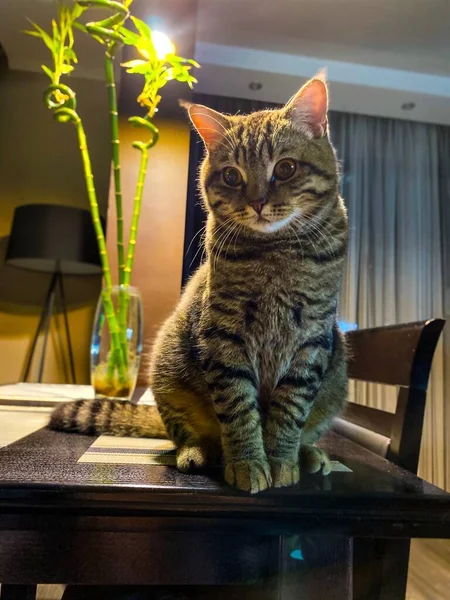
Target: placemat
{"x":143,"y":451}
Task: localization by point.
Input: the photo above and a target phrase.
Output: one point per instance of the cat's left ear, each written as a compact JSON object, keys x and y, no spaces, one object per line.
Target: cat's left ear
{"x":210,"y":124}
{"x":309,"y":107}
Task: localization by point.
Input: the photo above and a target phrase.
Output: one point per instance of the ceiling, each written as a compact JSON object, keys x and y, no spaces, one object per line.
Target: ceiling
{"x":400,"y":34}
{"x":379,"y":54}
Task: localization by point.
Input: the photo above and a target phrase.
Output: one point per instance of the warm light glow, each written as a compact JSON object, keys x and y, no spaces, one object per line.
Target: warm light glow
{"x":162,"y":44}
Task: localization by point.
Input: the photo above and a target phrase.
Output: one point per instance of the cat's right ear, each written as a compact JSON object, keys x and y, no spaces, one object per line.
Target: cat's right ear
{"x":210,"y":124}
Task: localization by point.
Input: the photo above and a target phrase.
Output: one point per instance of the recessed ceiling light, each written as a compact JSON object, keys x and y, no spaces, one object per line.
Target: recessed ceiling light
{"x":255,"y":86}
{"x":408,"y":106}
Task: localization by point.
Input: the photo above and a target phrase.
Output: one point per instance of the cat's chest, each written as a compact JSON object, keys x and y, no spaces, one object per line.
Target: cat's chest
{"x":274,"y":334}
{"x":276,"y":322}
{"x":266,"y":306}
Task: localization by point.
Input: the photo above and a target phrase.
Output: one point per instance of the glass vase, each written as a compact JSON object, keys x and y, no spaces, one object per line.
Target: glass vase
{"x":115,"y":358}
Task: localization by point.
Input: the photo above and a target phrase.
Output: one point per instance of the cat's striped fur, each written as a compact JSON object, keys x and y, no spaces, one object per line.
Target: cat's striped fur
{"x":251,"y":365}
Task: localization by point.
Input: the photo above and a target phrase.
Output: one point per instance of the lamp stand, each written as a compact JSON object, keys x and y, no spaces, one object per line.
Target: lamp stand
{"x":55,"y":297}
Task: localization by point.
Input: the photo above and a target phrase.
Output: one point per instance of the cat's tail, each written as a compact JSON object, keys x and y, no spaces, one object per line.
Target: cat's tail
{"x":108,"y":417}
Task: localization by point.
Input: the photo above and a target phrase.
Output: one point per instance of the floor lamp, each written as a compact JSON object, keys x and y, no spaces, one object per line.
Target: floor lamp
{"x":59,"y":240}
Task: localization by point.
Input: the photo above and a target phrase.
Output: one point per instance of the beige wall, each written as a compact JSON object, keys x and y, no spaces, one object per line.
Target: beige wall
{"x":39,"y":162}
{"x":159,"y":249}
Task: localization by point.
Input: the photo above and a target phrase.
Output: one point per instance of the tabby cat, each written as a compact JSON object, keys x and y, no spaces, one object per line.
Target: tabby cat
{"x":251,"y":365}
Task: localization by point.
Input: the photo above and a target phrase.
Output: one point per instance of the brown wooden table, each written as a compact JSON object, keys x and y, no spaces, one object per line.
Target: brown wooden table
{"x":79,"y":523}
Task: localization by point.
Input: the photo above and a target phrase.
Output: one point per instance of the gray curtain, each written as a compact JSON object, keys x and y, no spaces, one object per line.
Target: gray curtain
{"x":396,"y":185}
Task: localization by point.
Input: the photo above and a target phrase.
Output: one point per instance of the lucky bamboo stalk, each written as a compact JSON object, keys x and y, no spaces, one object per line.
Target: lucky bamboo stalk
{"x":144,"y":147}
{"x":106,"y":31}
{"x":117,"y":351}
{"x":64,"y":108}
{"x":135,"y":217}
{"x":115,"y":142}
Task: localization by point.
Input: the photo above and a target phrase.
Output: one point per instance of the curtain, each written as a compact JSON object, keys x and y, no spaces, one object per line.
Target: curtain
{"x":396,"y":185}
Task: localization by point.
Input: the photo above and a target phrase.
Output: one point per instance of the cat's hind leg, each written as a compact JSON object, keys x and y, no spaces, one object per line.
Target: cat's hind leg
{"x":314,"y":460}
{"x":192,"y":426}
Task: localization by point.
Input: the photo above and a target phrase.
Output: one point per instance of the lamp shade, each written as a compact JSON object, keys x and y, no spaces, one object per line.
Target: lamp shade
{"x":50,"y":238}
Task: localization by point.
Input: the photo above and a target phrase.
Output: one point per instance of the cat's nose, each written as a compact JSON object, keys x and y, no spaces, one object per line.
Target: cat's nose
{"x":257,"y":204}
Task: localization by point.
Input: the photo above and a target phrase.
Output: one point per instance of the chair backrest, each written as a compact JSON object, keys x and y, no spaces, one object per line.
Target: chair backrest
{"x":398,"y":355}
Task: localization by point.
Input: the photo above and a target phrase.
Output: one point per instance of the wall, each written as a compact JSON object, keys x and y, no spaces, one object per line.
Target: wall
{"x":39,"y":162}
{"x":159,"y":249}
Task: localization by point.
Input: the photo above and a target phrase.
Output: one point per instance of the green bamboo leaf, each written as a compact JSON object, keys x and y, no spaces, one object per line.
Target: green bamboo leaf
{"x":147,"y":50}
{"x":32,"y":33}
{"x":97,"y":38}
{"x":44,"y":35}
{"x":66,"y":69}
{"x":142,"y":27}
{"x":129,"y":37}
{"x":69,"y":55}
{"x":182,"y":77}
{"x":80,"y":26}
{"x":173,"y":58}
{"x":70,"y":35}
{"x":47,"y":71}
{"x":127,"y":3}
{"x":55,"y":30}
{"x":140,"y":69}
{"x":133,"y":63}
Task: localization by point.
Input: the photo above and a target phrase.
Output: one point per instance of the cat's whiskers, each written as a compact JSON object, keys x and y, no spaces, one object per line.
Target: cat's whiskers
{"x":217,"y":241}
{"x":315,"y":236}
{"x":202,"y":230}
{"x":319,"y":239}
{"x":326,"y":236}
{"x":235,"y":237}
{"x":320,"y":233}
{"x":230,"y":239}
{"x":314,"y":220}
{"x":216,"y":229}
{"x":228,"y":233}
{"x":203,"y":247}
{"x":292,"y":228}
{"x":200,"y":246}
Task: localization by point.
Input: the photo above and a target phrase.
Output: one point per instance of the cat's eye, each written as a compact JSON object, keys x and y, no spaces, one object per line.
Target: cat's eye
{"x":232,"y":176}
{"x":284,"y":169}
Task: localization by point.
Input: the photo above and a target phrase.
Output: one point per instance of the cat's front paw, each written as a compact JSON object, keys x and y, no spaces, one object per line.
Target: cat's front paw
{"x":249,"y":475}
{"x":284,"y":472}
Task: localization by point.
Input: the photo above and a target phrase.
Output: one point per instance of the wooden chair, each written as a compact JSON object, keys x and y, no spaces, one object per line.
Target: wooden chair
{"x":398,"y":355}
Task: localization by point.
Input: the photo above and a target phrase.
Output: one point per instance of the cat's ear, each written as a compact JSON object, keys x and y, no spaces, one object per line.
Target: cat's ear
{"x":308,"y":108}
{"x":210,"y":124}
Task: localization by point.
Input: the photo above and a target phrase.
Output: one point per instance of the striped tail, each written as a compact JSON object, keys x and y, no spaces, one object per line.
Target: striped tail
{"x":108,"y":417}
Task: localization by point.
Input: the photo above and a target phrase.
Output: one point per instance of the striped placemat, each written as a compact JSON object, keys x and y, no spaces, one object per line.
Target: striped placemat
{"x":143,"y":451}
{"x":130,"y":451}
